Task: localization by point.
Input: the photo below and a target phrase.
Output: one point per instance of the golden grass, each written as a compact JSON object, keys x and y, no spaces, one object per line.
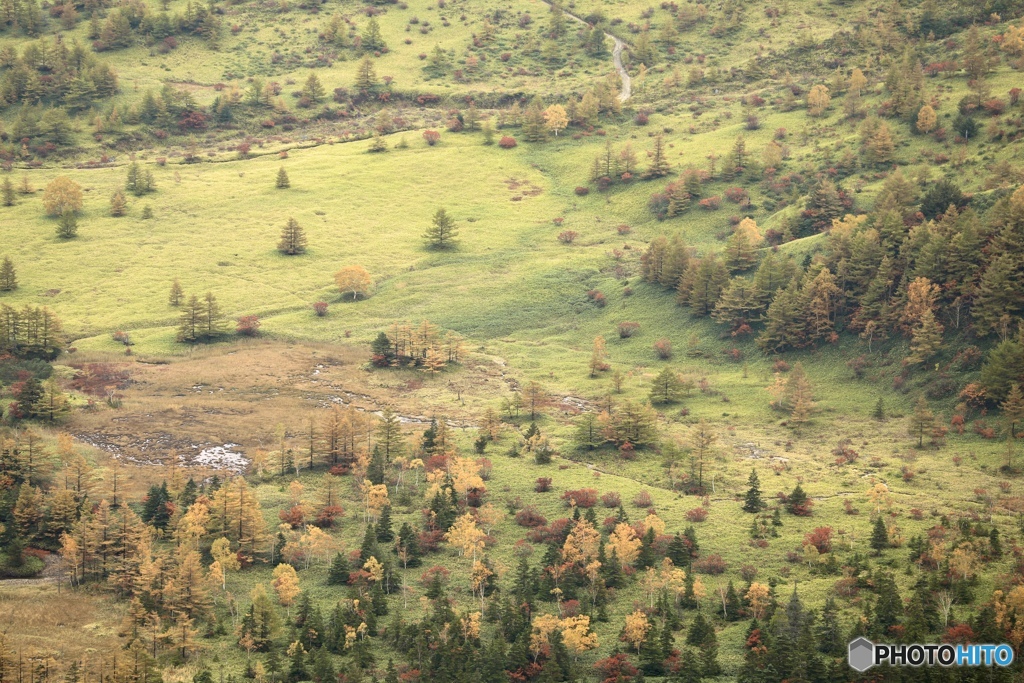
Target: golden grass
{"x":71,"y":625}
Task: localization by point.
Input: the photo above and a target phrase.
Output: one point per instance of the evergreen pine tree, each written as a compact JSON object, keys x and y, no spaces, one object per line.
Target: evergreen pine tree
{"x":534,"y":128}
{"x":922,"y":421}
{"x":879,"y":536}
{"x":8,"y":275}
{"x":339,"y":571}
{"x":7,"y":192}
{"x":385,"y":534}
{"x":796,"y":503}
{"x":366,"y":75}
{"x":660,"y":166}
{"x":442,"y":231}
{"x":752,"y":501}
{"x":212,"y":319}
{"x":67,"y":224}
{"x":667,"y":387}
{"x":282,"y":182}
{"x":118,"y":204}
{"x":176,"y":294}
{"x":879,"y":410}
{"x":293,"y":239}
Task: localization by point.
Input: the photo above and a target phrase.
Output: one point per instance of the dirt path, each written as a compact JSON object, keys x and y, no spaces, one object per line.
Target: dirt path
{"x":627,"y":83}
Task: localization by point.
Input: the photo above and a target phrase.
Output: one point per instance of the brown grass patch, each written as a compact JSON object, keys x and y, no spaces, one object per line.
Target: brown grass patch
{"x":69,"y":626}
{"x":238,"y":394}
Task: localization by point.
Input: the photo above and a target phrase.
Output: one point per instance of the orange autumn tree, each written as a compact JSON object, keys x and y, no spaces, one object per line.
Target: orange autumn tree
{"x":354,"y":281}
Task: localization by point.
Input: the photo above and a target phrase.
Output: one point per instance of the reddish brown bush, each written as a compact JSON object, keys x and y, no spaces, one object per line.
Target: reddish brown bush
{"x":712,"y":564}
{"x":994,"y":107}
{"x":582,"y":498}
{"x":820,"y":538}
{"x":475,"y":496}
{"x":248,"y":325}
{"x":696,"y":514}
{"x":612,"y":499}
{"x":846,"y":588}
{"x":748,"y":573}
{"x":581,"y":191}
{"x":293,"y":516}
{"x":326,"y":517}
{"x":529,"y":517}
{"x":568,"y":236}
{"x":663,"y":348}
{"x":432,"y":137}
{"x":737,"y":195}
{"x":628,"y":329}
{"x":643,"y":500}
{"x":320,"y":308}
{"x":597,"y":297}
{"x":436,"y":572}
{"x":542,"y":485}
{"x":507,"y":142}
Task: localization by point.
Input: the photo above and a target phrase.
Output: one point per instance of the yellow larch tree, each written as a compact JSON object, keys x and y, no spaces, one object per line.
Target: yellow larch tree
{"x":286,"y":584}
{"x":465,"y":536}
{"x":636,"y":629}
{"x":625,"y":543}
{"x":758,"y":598}
{"x":582,"y":544}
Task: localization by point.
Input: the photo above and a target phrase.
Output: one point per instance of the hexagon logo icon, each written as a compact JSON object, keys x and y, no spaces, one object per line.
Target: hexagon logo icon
{"x":861,"y":654}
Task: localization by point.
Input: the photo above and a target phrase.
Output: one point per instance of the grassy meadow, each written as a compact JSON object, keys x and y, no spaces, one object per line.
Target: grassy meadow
{"x":519,"y":296}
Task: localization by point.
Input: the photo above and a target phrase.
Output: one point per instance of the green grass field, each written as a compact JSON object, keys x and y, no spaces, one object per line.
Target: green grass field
{"x":515,"y":292}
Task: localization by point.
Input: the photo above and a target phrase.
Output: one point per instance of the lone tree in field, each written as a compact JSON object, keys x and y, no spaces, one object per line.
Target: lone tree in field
{"x":67,"y":224}
{"x":354,"y":280}
{"x":797,"y":503}
{"x":555,"y":118}
{"x":8,"y":192}
{"x":366,"y":75}
{"x":752,"y":501}
{"x":313,"y":90}
{"x":293,"y":239}
{"x":659,"y":163}
{"x":702,"y":440}
{"x":177,"y":293}
{"x":139,"y":181}
{"x":118,"y":203}
{"x":62,"y":195}
{"x":442,"y":231}
{"x":922,"y":421}
{"x":282,"y":180}
{"x":818,"y":100}
{"x":8,"y":277}
{"x":667,"y":388}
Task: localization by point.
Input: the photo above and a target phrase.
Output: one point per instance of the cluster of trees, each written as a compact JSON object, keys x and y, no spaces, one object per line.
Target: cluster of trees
{"x":887,"y":273}
{"x":417,"y":346}
{"x":30,"y":332}
{"x":65,"y":78}
{"x":169,"y":554}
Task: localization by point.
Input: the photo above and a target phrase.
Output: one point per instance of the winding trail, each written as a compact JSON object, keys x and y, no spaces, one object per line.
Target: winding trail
{"x":627,"y":83}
